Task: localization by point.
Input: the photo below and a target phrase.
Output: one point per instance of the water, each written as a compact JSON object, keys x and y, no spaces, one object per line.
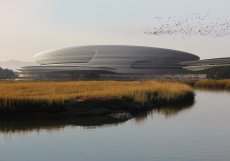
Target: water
{"x":200,"y":132}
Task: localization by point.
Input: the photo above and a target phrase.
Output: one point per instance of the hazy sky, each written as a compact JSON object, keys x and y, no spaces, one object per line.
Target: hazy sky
{"x":31,"y":26}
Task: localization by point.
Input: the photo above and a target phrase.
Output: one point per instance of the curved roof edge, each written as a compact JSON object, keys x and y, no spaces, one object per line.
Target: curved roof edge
{"x":85,"y":46}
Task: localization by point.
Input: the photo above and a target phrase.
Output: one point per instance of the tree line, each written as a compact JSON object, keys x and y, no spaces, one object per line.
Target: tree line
{"x":6,"y":73}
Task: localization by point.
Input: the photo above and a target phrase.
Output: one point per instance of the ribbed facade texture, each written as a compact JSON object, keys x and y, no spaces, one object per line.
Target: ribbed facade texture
{"x":108,"y":62}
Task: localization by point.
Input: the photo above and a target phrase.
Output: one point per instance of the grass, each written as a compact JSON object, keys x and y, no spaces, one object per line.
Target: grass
{"x":52,"y":96}
{"x":213,"y":84}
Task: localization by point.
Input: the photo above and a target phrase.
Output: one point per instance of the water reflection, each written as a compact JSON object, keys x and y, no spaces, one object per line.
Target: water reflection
{"x":196,"y":132}
{"x":28,"y":124}
{"x":167,"y":112}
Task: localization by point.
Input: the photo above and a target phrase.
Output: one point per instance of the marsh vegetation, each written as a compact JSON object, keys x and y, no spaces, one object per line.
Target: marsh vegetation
{"x":55,"y":96}
{"x":213,"y":84}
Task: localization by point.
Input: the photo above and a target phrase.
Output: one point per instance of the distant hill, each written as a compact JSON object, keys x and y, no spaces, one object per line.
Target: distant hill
{"x":15,"y":64}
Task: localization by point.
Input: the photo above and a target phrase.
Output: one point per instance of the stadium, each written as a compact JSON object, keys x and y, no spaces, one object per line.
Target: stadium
{"x":110,"y":62}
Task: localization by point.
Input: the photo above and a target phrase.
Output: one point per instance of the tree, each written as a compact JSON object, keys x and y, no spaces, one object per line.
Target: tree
{"x":6,"y":73}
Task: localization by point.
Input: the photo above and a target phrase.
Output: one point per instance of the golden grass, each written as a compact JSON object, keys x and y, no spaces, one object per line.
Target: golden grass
{"x":50,"y":94}
{"x":213,"y":84}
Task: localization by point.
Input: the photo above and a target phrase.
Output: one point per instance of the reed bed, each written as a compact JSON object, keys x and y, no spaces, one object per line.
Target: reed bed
{"x":53,"y":95}
{"x":213,"y":84}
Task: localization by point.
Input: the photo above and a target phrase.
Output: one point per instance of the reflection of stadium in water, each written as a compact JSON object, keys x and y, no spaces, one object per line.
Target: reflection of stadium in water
{"x":113,"y":62}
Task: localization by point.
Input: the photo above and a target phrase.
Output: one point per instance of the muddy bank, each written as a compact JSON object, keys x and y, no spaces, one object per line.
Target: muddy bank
{"x":25,"y":122}
{"x":111,"y":108}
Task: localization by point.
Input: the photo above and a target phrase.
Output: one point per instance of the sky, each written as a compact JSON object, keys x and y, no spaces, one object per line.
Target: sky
{"x":28,"y":27}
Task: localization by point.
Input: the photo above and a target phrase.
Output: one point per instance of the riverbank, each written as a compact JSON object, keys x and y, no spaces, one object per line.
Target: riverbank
{"x":213,"y":84}
{"x":116,"y":99}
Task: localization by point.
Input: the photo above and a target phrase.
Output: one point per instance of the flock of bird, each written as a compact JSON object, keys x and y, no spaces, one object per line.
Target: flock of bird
{"x":193,"y":25}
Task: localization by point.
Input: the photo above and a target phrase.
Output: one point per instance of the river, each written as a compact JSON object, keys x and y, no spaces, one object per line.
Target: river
{"x":199,"y":132}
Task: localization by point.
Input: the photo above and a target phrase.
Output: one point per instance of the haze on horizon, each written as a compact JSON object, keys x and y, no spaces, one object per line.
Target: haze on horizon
{"x":32,"y":26}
